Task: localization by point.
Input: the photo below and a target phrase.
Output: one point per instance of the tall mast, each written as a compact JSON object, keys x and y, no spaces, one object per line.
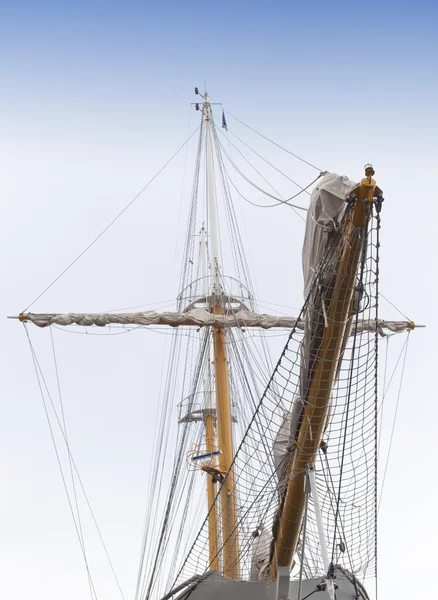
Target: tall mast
{"x":209,"y":424}
{"x":230,"y":542}
{"x":211,"y":197}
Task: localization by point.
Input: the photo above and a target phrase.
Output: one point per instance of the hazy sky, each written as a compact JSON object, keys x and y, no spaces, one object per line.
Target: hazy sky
{"x":95,"y":97}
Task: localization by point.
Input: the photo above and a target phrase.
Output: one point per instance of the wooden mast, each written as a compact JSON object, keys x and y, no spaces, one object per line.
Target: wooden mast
{"x":213,"y":545}
{"x":317,"y":401}
{"x":209,"y":429}
{"x":230,"y":542}
{"x":230,"y":539}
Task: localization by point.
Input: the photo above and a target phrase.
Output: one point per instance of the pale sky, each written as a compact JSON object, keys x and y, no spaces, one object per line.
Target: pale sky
{"x":95,"y":99}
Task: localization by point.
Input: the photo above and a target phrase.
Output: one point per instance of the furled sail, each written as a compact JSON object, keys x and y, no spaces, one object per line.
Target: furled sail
{"x":198,"y":317}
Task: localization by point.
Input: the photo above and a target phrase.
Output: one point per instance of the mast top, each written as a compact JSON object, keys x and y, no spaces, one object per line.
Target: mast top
{"x":206,"y":108}
{"x":206,"y":105}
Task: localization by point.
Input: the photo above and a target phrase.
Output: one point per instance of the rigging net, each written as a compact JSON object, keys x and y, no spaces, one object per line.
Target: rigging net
{"x":346,"y":465}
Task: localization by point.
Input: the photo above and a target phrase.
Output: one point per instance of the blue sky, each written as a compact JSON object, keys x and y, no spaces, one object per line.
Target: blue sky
{"x":95,"y":98}
{"x":85,"y":55}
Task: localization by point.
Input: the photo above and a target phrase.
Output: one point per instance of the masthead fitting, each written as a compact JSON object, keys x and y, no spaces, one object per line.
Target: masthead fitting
{"x":369,"y":171}
{"x":198,"y":93}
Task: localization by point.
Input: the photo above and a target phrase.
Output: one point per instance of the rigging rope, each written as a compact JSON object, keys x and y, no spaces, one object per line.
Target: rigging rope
{"x":39,"y":373}
{"x":254,"y":185}
{"x":260,"y":156}
{"x":243,"y":391}
{"x":395,"y":418}
{"x":275,"y":143}
{"x":80,"y":531}
{"x":394,"y":306}
{"x":287,"y":202}
{"x":112,"y":222}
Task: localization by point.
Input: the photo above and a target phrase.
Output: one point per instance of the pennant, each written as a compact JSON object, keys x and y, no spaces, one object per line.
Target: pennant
{"x":224,"y":122}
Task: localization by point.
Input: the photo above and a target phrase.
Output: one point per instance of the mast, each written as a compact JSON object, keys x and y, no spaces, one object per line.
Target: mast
{"x":230,"y":540}
{"x":317,"y":399}
{"x":209,"y":424}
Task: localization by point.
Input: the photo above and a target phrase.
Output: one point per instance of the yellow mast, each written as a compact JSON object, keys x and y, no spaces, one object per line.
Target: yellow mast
{"x":230,"y":541}
{"x":209,"y":417}
{"x":317,"y":401}
{"x":230,"y":538}
{"x":213,"y":545}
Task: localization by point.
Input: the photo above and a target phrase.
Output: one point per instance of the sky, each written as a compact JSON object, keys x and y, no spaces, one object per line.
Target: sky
{"x":96,"y":96}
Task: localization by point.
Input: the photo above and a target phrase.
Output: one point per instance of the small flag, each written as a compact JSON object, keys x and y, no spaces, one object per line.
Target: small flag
{"x":224,"y":122}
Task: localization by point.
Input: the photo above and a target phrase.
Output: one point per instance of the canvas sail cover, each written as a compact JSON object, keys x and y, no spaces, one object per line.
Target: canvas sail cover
{"x":326,"y":210}
{"x":327,"y":205}
{"x":197,"y":317}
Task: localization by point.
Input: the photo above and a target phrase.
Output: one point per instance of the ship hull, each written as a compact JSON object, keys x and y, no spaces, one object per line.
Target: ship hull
{"x":215,"y":587}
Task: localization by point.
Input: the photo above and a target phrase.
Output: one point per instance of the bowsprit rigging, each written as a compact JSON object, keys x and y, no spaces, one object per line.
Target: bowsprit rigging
{"x":272,"y":490}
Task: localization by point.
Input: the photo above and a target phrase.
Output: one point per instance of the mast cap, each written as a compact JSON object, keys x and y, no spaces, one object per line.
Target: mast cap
{"x":369,"y":171}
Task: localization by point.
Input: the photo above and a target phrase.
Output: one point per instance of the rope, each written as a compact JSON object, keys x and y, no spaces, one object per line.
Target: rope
{"x":80,"y":531}
{"x":275,"y":143}
{"x":254,"y":185}
{"x":394,"y":420}
{"x":63,"y":433}
{"x":260,"y":156}
{"x":394,"y":306}
{"x":39,"y":374}
{"x":376,"y":407}
{"x":111,"y":223}
{"x":287,"y":202}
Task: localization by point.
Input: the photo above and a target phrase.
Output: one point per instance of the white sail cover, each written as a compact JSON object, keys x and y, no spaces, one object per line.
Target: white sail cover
{"x":198,"y":317}
{"x":327,"y":205}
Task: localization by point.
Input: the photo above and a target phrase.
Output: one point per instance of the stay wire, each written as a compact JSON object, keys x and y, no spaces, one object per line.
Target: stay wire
{"x":66,"y":441}
{"x":287,"y":202}
{"x":263,"y":158}
{"x":39,"y":369}
{"x":254,"y":185}
{"x":112,"y":222}
{"x":386,"y":389}
{"x":394,"y":306}
{"x":383,"y":388}
{"x":173,"y":488}
{"x":274,"y":143}
{"x":245,"y":158}
{"x":38,"y":373}
{"x":394,"y":421}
